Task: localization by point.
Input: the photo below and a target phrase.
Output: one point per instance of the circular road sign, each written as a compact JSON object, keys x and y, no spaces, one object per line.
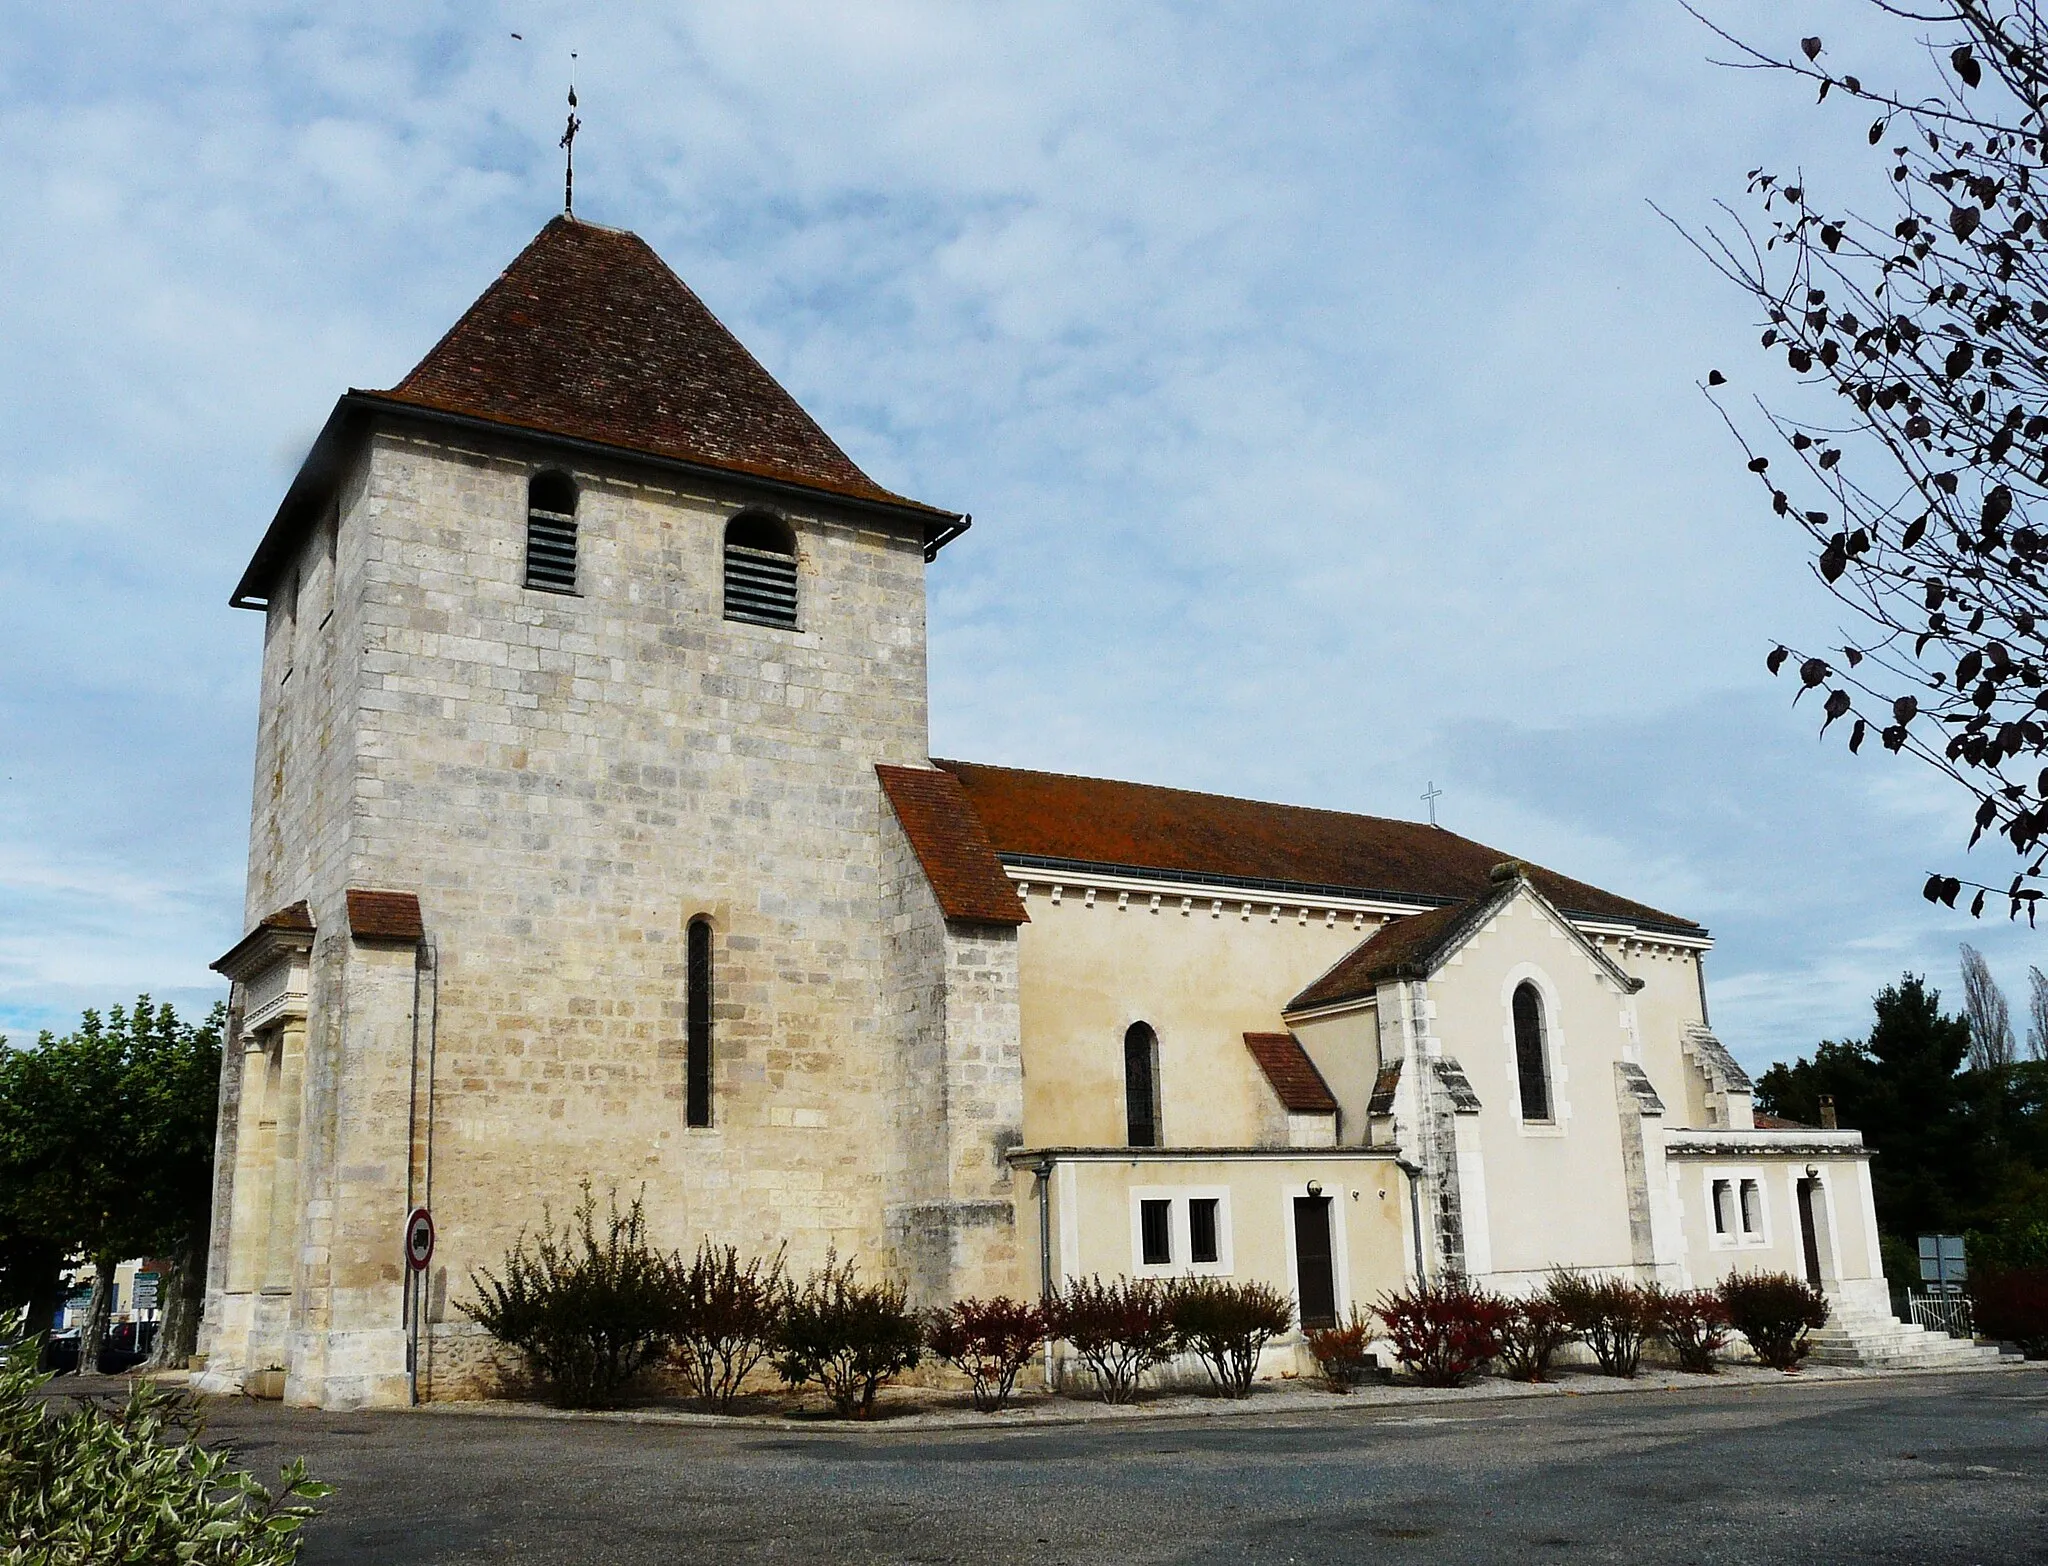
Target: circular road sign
{"x":419,"y":1238}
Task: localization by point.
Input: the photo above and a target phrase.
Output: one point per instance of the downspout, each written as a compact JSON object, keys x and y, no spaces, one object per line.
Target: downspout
{"x":1414,"y":1174}
{"x":1699,"y":969}
{"x":410,"y":1294}
{"x":1043,"y":1169}
{"x":427,"y":961}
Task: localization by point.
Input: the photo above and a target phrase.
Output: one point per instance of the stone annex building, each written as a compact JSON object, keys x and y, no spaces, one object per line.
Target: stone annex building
{"x":595,"y":835}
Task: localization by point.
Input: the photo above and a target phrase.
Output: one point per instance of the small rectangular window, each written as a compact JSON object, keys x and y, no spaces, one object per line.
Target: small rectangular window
{"x":1724,"y":1207}
{"x":1155,"y":1229}
{"x":1202,"y":1228}
{"x":1752,"y":1208}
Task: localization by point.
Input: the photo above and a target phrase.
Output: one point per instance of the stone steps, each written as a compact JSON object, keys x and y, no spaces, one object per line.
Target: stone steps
{"x":1882,"y":1342}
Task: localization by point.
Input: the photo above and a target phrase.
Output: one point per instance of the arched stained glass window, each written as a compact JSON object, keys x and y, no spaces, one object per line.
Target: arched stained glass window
{"x":1532,"y":1058}
{"x":1141,"y":1085}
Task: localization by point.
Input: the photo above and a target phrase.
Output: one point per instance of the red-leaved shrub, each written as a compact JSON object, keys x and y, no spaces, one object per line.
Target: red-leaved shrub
{"x":2013,"y":1305}
{"x":1443,"y":1333}
{"x":1696,"y":1325}
{"x":1775,"y":1311}
{"x":1341,"y":1352}
{"x":990,"y":1341}
{"x":1535,"y":1329}
{"x":1611,"y":1315}
{"x":1120,"y":1330}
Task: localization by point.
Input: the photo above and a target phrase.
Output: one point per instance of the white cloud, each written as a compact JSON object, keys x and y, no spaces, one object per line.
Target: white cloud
{"x":1320,"y":380}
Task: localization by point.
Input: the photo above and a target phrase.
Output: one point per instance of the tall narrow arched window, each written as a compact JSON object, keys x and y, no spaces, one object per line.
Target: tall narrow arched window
{"x":697,"y":1067}
{"x":551,"y":532}
{"x":1141,"y":1085}
{"x":1532,"y":1058}
{"x":760,"y":571}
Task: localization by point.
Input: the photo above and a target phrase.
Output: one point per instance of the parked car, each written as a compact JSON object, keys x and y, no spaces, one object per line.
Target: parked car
{"x":60,"y":1351}
{"x":127,"y":1345}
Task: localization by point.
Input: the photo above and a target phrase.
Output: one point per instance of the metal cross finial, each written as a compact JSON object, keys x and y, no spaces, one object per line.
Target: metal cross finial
{"x":568,"y":145}
{"x":1430,"y":796}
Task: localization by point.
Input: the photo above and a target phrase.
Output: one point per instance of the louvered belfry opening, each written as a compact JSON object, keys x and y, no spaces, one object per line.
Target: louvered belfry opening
{"x":760,"y":571}
{"x":551,"y":533}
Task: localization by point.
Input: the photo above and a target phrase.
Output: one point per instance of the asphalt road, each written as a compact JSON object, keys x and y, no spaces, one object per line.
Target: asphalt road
{"x":1949,"y":1469}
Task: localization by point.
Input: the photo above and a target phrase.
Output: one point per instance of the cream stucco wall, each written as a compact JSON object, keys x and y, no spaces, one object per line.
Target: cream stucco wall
{"x":1202,"y":976}
{"x":1554,"y":1192}
{"x":1846,"y":1233}
{"x":1094,"y":1217}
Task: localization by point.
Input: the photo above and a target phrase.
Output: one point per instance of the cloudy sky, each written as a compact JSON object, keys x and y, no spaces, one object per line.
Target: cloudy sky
{"x":1321,"y":382}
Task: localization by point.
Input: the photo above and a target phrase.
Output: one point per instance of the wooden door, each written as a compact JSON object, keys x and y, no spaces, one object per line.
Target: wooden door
{"x":1315,"y":1278}
{"x":1808,"y":1236}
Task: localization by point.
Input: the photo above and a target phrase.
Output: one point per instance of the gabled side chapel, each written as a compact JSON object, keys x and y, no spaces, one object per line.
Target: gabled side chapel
{"x":595,"y":836}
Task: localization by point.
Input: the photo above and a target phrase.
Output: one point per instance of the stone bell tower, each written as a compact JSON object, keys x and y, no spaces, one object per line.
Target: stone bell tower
{"x":568,"y":856}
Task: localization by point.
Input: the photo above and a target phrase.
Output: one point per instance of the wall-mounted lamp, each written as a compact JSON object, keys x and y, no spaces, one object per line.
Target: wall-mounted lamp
{"x":1813,"y":1171}
{"x":1315,"y":1188}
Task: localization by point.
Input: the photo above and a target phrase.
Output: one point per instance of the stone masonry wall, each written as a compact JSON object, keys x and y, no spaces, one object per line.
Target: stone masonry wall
{"x":566,"y":782}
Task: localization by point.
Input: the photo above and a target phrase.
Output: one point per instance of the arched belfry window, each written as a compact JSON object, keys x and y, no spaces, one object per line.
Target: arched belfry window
{"x":1532,"y":1057}
{"x":551,"y":532}
{"x":1141,"y":1085}
{"x":760,"y":571}
{"x":697,"y":1045}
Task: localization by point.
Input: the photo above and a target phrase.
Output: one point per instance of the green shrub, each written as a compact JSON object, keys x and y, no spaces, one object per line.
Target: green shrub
{"x":1610,"y":1315}
{"x":2013,"y":1306}
{"x":2019,"y":1244}
{"x":585,"y":1311}
{"x":1443,"y":1333}
{"x":131,"y":1482}
{"x":990,"y":1341}
{"x":1341,"y":1353}
{"x":1695,"y":1323}
{"x":1120,"y":1330}
{"x":1228,"y":1325}
{"x":1775,"y":1311}
{"x":1530,"y":1336}
{"x":847,"y":1336}
{"x":725,"y":1319}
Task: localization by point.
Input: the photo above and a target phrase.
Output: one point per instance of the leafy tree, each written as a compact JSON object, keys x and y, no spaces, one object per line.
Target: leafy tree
{"x":1919,"y":482}
{"x":106,"y":1149}
{"x":1955,"y":1148}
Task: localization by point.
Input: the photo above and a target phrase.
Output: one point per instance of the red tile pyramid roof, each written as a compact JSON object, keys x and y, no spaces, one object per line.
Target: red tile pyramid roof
{"x":1138,"y":826}
{"x":588,"y":334}
{"x":951,"y":846}
{"x":1301,"y":1088}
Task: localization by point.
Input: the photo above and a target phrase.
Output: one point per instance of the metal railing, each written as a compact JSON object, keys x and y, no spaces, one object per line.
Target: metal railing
{"x":1947,"y":1312}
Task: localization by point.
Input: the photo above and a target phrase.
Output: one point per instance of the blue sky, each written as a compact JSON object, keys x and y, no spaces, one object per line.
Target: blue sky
{"x":1319,"y":377}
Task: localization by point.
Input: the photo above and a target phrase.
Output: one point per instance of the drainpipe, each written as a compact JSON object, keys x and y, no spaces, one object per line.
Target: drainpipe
{"x":412,"y":1118}
{"x":1414,"y":1174}
{"x":1043,"y":1169}
{"x":426,"y":962}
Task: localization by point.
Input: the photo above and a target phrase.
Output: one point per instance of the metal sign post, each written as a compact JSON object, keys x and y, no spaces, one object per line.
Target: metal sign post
{"x":419,"y":1250}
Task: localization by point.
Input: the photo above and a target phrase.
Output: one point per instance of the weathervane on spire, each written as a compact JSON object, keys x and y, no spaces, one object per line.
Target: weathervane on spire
{"x":569,"y":145}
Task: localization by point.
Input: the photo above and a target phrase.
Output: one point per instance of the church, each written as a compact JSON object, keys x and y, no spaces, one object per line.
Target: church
{"x":595,"y":836}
